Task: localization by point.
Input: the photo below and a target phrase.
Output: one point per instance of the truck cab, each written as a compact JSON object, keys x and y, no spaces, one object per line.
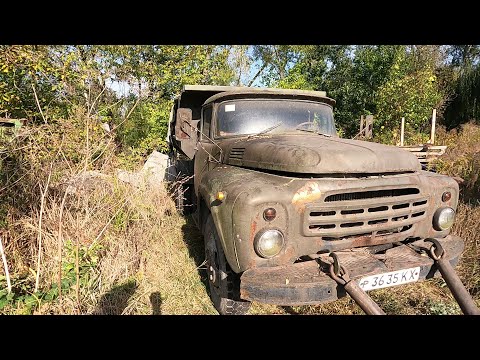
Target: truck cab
{"x":275,"y":192}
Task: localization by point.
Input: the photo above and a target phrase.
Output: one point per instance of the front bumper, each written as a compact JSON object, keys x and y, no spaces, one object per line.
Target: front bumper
{"x":306,"y":283}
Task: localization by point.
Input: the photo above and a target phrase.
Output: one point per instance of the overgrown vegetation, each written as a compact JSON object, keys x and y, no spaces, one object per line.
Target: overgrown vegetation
{"x":462,"y":157}
{"x":77,"y":240}
{"x":95,"y":235}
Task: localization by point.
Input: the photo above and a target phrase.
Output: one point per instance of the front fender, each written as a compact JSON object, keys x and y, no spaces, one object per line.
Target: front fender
{"x":239,"y":216}
{"x":228,"y":180}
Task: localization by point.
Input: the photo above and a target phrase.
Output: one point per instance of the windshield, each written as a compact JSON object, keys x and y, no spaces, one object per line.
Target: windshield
{"x":248,"y":117}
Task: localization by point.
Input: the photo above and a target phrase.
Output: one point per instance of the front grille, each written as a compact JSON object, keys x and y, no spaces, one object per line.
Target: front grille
{"x":369,"y":234}
{"x":372,"y":194}
{"x":365,"y":213}
{"x":237,"y":153}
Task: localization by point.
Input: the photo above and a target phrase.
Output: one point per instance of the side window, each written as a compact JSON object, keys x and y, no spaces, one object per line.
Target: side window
{"x":207,"y":120}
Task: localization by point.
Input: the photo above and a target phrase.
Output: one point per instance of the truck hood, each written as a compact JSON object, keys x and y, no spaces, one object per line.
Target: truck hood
{"x":317,"y":154}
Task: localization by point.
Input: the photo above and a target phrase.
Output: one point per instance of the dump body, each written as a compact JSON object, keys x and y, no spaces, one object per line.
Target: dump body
{"x":251,"y":150}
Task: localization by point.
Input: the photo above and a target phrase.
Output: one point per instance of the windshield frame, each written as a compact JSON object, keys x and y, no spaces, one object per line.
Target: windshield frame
{"x":213,"y":125}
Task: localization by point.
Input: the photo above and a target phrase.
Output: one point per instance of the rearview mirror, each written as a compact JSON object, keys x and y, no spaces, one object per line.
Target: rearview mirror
{"x":183,"y":126}
{"x":186,"y":131}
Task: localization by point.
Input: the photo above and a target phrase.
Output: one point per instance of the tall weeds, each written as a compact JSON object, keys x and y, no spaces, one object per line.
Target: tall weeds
{"x":65,"y":218}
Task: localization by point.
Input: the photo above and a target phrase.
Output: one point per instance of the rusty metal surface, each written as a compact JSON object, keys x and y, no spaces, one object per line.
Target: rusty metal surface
{"x":304,"y":177}
{"x":371,"y":215}
{"x":305,"y":283}
{"x":461,"y":294}
{"x":186,"y":132}
{"x":341,"y":275}
{"x":299,"y":284}
{"x":362,"y":299}
{"x":304,"y":153}
{"x":250,"y":192}
{"x":463,"y":297}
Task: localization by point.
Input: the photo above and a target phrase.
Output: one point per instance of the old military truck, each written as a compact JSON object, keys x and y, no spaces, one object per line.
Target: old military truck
{"x":274,"y":191}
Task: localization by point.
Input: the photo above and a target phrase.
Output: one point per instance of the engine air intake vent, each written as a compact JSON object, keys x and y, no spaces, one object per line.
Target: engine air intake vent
{"x":371,"y":194}
{"x":237,"y":153}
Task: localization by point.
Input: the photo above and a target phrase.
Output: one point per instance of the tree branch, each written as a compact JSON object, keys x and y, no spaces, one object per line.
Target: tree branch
{"x":5,"y":266}
{"x":38,"y":104}
{"x":258,"y":73}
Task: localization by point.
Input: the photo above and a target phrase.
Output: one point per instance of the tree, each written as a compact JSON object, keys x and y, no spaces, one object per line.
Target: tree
{"x":155,"y":75}
{"x":465,"y":85}
{"x":24,"y":71}
{"x":388,"y":81}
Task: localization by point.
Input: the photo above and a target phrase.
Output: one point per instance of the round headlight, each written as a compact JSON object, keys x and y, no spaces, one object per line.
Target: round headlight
{"x":443,"y":218}
{"x":269,"y":243}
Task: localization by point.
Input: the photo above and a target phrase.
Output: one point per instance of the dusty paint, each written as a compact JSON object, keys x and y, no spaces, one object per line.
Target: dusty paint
{"x":288,"y":183}
{"x":303,"y":284}
{"x":290,"y":254}
{"x":307,"y":193}
{"x":311,"y":154}
{"x":253,"y":229}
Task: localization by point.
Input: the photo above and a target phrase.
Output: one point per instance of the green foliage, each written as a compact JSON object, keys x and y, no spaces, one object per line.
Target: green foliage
{"x":24,"y":300}
{"x":22,"y":67}
{"x":68,"y":77}
{"x":388,"y":81}
{"x":465,"y":105}
{"x":87,"y":265}
{"x":442,"y":308}
{"x":277,"y":60}
{"x":355,"y":81}
{"x":155,"y":75}
{"x":146,"y":129}
{"x":412,"y":96}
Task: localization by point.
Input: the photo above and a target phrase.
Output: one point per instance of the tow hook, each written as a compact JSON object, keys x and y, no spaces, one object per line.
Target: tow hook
{"x":460,"y":293}
{"x":340,"y":274}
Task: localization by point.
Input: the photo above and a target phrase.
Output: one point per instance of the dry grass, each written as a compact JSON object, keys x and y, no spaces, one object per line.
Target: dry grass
{"x":136,"y":255}
{"x":462,"y":158}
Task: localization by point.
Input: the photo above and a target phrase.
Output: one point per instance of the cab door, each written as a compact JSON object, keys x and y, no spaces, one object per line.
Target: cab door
{"x":207,"y":154}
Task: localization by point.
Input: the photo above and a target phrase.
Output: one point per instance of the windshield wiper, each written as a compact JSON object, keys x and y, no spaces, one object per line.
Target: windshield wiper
{"x":315,"y":132}
{"x":266,"y":130}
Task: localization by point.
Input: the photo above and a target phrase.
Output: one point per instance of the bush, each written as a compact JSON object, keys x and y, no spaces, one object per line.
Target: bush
{"x":462,"y":157}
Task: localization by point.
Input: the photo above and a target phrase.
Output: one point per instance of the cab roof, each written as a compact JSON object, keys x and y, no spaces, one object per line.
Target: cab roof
{"x":272,"y":93}
{"x":194,"y":96}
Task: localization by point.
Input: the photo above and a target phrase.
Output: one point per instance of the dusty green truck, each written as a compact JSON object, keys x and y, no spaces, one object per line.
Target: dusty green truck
{"x":276,"y":192}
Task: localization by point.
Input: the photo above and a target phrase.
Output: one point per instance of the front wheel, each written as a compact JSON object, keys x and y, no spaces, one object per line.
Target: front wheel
{"x":223,"y":282}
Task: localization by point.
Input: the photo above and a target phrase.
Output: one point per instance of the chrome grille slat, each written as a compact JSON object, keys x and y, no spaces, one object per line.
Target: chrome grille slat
{"x":365,"y":216}
{"x":371,"y":194}
{"x":340,"y":232}
{"x":325,"y":218}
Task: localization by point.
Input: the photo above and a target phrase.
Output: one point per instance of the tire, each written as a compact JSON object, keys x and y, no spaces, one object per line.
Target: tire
{"x":225,"y":286}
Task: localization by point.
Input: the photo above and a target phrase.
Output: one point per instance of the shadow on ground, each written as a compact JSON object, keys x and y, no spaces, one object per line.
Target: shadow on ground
{"x":290,"y":310}
{"x":196,"y":249}
{"x":115,"y":301}
{"x":156,"y":302}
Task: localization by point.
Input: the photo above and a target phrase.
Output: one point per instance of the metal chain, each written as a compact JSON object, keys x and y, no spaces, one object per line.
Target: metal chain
{"x":436,"y":250}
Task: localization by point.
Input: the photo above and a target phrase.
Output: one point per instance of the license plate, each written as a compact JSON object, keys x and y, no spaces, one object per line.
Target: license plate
{"x":392,"y":278}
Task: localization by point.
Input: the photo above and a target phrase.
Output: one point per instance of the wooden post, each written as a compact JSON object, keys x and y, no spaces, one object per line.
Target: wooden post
{"x":369,"y":126}
{"x":402,"y":131}
{"x":434,"y":119}
{"x":366,"y":126}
